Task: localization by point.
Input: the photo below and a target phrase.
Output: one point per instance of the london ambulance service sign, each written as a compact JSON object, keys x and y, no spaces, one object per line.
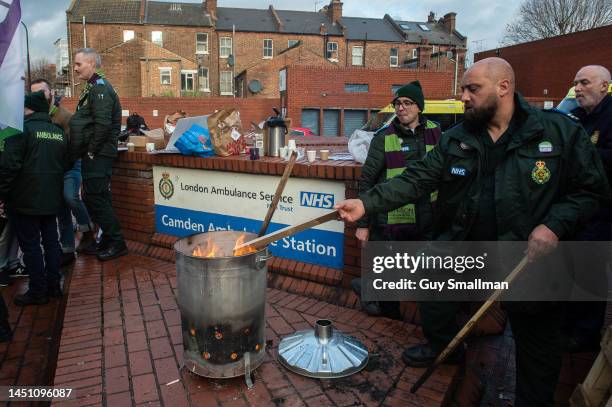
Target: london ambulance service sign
{"x":195,"y":201}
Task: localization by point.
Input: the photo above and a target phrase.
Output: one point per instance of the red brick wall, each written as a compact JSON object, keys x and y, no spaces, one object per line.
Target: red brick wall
{"x":250,"y":109}
{"x":552,"y":63}
{"x":306,"y":89}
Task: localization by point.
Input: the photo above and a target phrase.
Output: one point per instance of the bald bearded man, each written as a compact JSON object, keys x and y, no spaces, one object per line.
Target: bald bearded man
{"x":490,"y":189}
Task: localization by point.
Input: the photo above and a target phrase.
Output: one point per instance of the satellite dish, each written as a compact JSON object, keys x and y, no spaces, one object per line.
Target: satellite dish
{"x":230,"y":60}
{"x":255,"y":86}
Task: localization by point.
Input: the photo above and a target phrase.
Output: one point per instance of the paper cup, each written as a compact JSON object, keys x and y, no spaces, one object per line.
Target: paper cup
{"x":130,"y":146}
{"x":311,"y":155}
{"x":150,"y":147}
{"x":324,"y":155}
{"x":292,"y":145}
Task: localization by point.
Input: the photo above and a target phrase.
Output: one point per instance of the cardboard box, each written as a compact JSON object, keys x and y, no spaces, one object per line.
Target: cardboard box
{"x":140,"y":142}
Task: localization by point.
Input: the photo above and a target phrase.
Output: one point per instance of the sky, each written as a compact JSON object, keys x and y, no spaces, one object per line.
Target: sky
{"x":482,"y":21}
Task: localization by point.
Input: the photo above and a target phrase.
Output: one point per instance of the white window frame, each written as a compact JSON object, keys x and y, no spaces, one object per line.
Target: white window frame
{"x":222,"y":47}
{"x":394,"y":57}
{"x":164,"y":70}
{"x":193,"y":74}
{"x":231,"y":81}
{"x":207,"y":82}
{"x":435,"y":49}
{"x":270,"y":48}
{"x":357,"y":55}
{"x":161,"y":38}
{"x":289,"y":43}
{"x":415,"y":53}
{"x":204,"y":44}
{"x":329,"y":50}
{"x":128,"y":35}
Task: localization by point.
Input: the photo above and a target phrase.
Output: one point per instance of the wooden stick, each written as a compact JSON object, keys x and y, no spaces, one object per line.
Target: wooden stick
{"x":277,"y":194}
{"x":467,"y":328}
{"x":261,"y":242}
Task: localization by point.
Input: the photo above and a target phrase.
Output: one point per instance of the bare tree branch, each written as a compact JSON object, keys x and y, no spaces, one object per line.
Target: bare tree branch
{"x":537,"y":19}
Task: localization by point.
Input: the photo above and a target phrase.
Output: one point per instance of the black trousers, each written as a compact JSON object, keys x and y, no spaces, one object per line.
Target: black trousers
{"x":536,"y":328}
{"x":97,"y":197}
{"x":44,"y":269}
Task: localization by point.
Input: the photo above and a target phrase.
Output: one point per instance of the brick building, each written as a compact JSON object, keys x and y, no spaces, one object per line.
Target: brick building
{"x":159,"y":48}
{"x":546,"y":68}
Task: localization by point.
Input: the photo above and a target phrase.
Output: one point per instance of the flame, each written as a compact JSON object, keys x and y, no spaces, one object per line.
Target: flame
{"x":211,"y":250}
{"x":243,"y":250}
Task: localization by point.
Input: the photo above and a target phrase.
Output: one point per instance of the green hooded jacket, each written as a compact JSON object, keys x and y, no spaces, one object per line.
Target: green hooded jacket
{"x":32,"y":167}
{"x":551,"y":174}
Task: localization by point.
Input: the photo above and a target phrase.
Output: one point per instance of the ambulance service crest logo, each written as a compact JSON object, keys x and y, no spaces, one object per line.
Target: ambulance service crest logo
{"x":595,"y":137}
{"x":540,"y":174}
{"x":166,"y":187}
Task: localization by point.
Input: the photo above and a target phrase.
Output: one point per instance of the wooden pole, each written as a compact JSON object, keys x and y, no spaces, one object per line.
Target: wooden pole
{"x":263,"y":241}
{"x":467,"y":328}
{"x":278,"y":193}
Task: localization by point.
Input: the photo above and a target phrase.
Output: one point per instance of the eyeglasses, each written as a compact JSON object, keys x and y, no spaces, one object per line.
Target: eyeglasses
{"x":406,"y":104}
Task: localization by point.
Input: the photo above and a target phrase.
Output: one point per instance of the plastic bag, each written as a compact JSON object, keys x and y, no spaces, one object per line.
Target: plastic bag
{"x":195,"y":141}
{"x":359,"y":144}
{"x":226,"y":132}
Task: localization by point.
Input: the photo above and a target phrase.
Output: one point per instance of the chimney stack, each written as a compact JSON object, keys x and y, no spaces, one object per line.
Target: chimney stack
{"x":334,"y":11}
{"x":143,"y":4}
{"x":431,"y":18}
{"x":211,"y":8}
{"x":449,"y":21}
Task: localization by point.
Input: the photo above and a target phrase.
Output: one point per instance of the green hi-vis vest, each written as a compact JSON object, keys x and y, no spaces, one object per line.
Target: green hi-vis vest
{"x":396,"y":164}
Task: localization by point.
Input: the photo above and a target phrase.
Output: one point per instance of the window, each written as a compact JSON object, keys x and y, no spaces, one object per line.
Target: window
{"x":415,"y":53}
{"x":395,"y":88}
{"x":187,"y":80}
{"x":165,"y":76}
{"x":201,"y":43}
{"x":268,"y":48}
{"x":128,"y":35}
{"x":405,"y":27}
{"x":203,"y":79}
{"x":291,"y":43}
{"x":424,"y":27}
{"x":226,"y":83}
{"x":435,"y":49}
{"x":332,"y":51}
{"x":356,"y":87}
{"x":357,"y":54}
{"x":225,"y":47}
{"x":156,"y":38}
{"x":393,"y":57}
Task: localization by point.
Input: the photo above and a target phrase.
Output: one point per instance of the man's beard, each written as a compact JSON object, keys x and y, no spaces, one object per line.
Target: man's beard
{"x":477,"y":119}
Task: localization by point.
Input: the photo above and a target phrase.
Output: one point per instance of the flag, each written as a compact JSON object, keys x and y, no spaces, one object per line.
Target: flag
{"x":12,"y":67}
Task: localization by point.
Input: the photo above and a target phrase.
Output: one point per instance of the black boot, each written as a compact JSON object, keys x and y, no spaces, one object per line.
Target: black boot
{"x":88,"y":244}
{"x":30,"y":299}
{"x":67,"y":258}
{"x":424,"y":355}
{"x":114,"y":250}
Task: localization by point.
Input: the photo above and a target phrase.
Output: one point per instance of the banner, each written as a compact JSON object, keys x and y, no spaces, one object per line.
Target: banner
{"x":12,"y":65}
{"x":189,"y":201}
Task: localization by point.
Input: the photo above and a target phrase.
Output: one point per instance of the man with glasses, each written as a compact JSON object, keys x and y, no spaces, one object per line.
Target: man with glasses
{"x":408,"y":138}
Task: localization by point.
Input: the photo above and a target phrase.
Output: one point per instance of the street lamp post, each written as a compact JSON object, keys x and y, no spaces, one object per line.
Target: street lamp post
{"x":28,"y":55}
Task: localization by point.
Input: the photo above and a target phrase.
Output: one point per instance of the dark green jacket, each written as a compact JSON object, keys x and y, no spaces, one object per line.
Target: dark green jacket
{"x":562,"y":196}
{"x":374,"y":171}
{"x":32,"y":167}
{"x":95,"y":126}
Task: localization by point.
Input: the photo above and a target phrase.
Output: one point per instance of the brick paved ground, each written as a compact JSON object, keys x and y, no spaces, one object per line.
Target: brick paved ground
{"x":121,"y":345}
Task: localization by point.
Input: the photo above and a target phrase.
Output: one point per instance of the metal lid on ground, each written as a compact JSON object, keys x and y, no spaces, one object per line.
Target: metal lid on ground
{"x":322,"y":352}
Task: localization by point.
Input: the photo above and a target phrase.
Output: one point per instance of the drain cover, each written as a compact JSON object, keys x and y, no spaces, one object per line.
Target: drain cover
{"x":322,"y":352}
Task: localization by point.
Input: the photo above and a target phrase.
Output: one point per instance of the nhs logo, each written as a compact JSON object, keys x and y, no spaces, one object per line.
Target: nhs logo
{"x":316,"y":200}
{"x":458,"y":171}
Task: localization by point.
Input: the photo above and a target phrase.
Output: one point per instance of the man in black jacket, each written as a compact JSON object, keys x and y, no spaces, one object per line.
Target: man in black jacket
{"x":31,"y":183}
{"x":585,"y":319}
{"x":94,"y":130}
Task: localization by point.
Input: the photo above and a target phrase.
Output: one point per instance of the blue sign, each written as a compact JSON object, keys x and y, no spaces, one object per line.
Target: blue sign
{"x":311,"y":246}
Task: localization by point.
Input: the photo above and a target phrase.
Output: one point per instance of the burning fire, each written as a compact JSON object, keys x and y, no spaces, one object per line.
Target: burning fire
{"x":210,"y":249}
{"x":244,"y":250}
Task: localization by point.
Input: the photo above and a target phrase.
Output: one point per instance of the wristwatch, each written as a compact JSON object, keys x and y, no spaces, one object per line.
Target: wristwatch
{"x":90,"y":155}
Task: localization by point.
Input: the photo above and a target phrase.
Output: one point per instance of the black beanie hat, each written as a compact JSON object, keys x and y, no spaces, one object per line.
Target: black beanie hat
{"x":414,"y":92}
{"x":36,"y":101}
